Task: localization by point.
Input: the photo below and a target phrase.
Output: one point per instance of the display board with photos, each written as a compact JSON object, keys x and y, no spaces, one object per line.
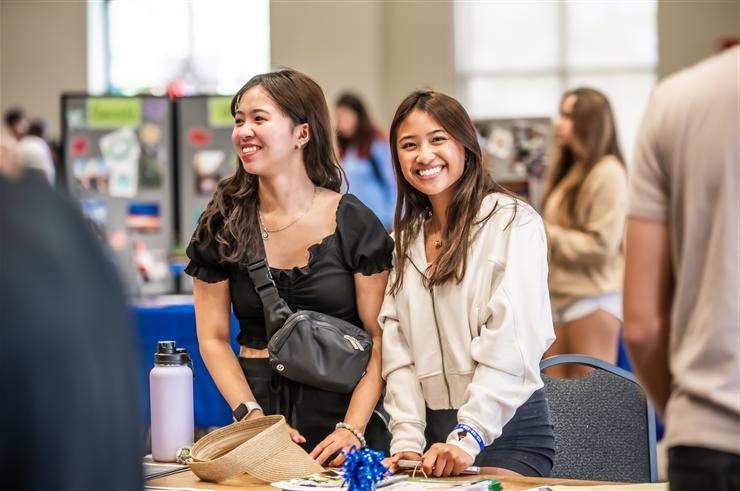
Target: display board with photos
{"x":205,"y":156}
{"x":517,"y":152}
{"x":118,"y":159}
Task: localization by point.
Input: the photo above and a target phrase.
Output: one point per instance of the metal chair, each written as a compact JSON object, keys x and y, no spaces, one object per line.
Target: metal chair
{"x":604,"y":424}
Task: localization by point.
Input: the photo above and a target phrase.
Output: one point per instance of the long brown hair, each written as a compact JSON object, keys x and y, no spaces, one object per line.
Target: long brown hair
{"x":595,"y":131}
{"x":231,"y":216}
{"x":413,"y":206}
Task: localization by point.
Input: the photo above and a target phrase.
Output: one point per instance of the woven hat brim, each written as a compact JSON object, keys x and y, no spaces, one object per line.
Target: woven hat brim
{"x":261,"y":448}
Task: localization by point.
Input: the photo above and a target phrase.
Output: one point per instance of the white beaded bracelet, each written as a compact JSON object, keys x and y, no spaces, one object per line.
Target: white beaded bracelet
{"x":348,"y":427}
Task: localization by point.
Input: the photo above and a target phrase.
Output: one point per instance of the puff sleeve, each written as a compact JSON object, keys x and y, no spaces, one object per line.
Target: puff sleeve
{"x":364,"y":244}
{"x":205,"y":263}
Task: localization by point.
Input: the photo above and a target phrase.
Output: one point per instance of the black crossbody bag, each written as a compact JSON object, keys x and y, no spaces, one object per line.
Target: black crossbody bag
{"x":309,"y":347}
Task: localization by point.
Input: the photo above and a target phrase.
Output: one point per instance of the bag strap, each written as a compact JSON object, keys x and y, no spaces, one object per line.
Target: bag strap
{"x":275,"y":309}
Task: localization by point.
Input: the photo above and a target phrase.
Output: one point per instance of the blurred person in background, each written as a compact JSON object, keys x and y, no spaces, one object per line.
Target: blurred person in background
{"x":584,"y":208}
{"x":682,"y":285}
{"x":366,"y":158}
{"x":32,"y":151}
{"x":39,"y":128}
{"x":16,"y":123}
{"x":69,"y":418}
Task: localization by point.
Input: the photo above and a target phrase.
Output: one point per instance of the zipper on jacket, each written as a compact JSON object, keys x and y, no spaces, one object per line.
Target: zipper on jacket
{"x":441,"y":349}
{"x":439,"y":335}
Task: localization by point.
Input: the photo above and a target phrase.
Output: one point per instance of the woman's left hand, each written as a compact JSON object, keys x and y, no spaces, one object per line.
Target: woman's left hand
{"x":339,"y":439}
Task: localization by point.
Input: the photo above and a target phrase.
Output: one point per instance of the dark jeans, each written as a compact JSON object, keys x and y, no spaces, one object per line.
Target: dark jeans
{"x":313,"y":412}
{"x":694,"y":468}
{"x":526,"y":446}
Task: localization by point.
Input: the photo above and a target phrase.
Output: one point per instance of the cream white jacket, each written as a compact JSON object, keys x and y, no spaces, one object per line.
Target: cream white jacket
{"x":473,"y":346}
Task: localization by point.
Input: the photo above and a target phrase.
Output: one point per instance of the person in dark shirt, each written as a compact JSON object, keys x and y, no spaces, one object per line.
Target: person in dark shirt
{"x":69,"y":419}
{"x":327,"y":251}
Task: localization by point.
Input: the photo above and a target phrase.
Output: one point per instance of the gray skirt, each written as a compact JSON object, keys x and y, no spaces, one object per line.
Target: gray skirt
{"x":526,"y":446}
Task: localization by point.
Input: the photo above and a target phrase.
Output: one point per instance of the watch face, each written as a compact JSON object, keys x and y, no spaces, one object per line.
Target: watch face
{"x":240,"y":412}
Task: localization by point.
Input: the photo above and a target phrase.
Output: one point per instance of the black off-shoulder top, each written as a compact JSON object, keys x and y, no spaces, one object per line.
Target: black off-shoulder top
{"x":325,"y":284}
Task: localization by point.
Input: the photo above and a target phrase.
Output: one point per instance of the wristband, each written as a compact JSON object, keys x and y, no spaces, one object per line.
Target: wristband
{"x":350,"y":428}
{"x":471,"y":432}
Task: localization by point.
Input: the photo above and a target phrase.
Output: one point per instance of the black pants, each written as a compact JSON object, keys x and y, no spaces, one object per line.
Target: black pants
{"x":526,"y":446}
{"x":313,"y":412}
{"x":694,"y":468}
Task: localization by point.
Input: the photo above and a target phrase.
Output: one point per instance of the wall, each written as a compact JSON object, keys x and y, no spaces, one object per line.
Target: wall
{"x":42,"y":54}
{"x":336,"y":43}
{"x":380,"y":49}
{"x":418,"y":49}
{"x":688,"y":31}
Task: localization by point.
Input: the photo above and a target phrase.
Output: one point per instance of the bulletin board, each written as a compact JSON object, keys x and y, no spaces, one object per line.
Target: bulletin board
{"x":517,"y":153}
{"x":205,"y":156}
{"x":118,"y":162}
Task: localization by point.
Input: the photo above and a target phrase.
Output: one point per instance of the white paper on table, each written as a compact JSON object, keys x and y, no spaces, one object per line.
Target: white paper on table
{"x":121,"y":151}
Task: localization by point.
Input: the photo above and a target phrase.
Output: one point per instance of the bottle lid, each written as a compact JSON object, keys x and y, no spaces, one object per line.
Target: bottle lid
{"x":169,"y":354}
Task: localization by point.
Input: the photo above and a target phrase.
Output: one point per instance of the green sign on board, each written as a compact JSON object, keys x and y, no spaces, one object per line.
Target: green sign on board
{"x":219,"y":112}
{"x":113,"y":112}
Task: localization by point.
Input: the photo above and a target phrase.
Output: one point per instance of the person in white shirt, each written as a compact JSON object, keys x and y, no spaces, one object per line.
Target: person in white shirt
{"x":467,"y":314}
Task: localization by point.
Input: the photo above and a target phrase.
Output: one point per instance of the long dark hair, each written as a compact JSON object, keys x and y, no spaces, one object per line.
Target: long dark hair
{"x":594,"y":128}
{"x":365,"y":132}
{"x":413,"y":206}
{"x":231,"y":216}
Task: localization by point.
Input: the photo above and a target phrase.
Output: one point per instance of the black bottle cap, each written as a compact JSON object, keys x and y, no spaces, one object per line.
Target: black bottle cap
{"x":169,"y":354}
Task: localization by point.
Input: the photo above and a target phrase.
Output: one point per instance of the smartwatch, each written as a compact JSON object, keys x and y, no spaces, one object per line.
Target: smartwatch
{"x":245,"y":409}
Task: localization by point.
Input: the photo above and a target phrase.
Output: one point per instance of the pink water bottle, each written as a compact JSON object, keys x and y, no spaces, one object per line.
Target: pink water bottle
{"x":171,"y":395}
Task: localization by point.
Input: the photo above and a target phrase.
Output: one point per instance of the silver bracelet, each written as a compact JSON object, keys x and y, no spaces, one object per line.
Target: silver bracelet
{"x":348,"y":427}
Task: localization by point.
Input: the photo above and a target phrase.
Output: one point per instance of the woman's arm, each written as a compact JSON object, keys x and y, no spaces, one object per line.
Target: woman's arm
{"x":369,"y":297}
{"x":517,"y":331}
{"x":212,"y":306}
{"x":601,"y":233}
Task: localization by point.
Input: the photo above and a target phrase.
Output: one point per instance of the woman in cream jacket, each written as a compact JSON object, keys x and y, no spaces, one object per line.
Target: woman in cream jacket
{"x":467,"y":316}
{"x":584,"y":210}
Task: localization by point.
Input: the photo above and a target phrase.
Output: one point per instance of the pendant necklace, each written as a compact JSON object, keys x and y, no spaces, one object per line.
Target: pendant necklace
{"x":266,"y":233}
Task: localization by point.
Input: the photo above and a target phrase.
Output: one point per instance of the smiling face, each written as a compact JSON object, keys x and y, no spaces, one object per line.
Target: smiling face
{"x":264,"y":137}
{"x":430,"y":159}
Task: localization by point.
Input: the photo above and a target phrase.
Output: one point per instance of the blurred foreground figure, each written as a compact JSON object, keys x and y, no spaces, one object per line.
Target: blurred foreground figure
{"x":682,"y":320}
{"x":69,"y":416}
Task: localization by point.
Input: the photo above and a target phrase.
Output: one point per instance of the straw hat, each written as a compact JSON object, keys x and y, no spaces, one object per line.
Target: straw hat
{"x":259,"y":447}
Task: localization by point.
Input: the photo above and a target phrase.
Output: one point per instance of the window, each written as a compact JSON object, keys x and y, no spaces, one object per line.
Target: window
{"x":212,"y":46}
{"x":517,"y":59}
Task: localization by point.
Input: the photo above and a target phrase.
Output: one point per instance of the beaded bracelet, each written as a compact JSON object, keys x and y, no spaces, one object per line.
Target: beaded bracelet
{"x":350,"y":428}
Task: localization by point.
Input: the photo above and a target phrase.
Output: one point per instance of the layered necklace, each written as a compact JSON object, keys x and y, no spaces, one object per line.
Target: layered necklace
{"x":266,"y":232}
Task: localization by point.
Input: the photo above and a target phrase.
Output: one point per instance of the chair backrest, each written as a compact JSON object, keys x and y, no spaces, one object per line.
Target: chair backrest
{"x":604,"y":424}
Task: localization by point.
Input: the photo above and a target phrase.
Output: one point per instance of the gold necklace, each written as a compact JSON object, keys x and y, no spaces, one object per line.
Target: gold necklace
{"x":266,"y":233}
{"x":437,"y":242}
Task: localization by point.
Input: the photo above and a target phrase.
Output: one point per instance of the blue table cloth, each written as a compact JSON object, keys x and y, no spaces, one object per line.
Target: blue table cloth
{"x":177,"y":323}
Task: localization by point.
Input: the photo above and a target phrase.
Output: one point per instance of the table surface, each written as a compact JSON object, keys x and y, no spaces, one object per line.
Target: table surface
{"x":245,"y":482}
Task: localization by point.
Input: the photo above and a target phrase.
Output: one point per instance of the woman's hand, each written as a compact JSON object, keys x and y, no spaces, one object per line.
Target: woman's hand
{"x":392,"y":462}
{"x":443,"y":459}
{"x":339,"y":439}
{"x":295,"y":435}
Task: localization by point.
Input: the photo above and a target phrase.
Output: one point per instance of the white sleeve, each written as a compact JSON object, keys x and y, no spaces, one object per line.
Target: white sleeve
{"x":516,"y":334}
{"x":404,"y":400}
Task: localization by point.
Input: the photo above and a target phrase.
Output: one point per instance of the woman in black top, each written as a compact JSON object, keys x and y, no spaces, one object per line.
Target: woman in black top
{"x":327,"y":252}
